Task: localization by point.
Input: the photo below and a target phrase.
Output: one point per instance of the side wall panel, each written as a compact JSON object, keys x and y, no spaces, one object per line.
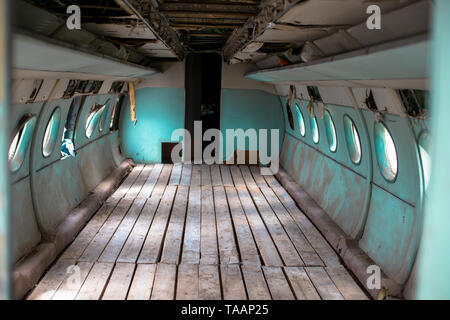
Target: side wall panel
{"x":61,"y":184}
{"x":385,"y":217}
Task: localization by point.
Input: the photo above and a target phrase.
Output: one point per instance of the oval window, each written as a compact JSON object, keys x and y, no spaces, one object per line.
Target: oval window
{"x":352,"y":139}
{"x":102,"y":121}
{"x":290,"y":116}
{"x":425,"y":156}
{"x":93,"y":118}
{"x":314,"y":129}
{"x":330,"y":131}
{"x":301,"y":122}
{"x":19,"y":144}
{"x":51,"y":133}
{"x":386,"y":152}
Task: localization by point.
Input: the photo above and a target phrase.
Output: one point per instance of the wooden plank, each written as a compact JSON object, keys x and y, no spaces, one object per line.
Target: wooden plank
{"x":247,"y":246}
{"x":209,"y":282}
{"x":208,"y":232}
{"x":139,"y":183}
{"x":176,"y":174}
{"x":95,"y":282}
{"x":165,"y":175}
{"x":101,"y":239}
{"x":119,"y":282}
{"x":75,"y":250}
{"x":153,"y":243}
{"x":191,"y":243}
{"x":188,"y":281}
{"x":259,"y":179}
{"x":215,"y":175}
{"x":128,"y":182}
{"x":320,"y":245}
{"x":227,"y":245}
{"x":174,"y":235}
{"x":186,"y":175}
{"x":304,"y":248}
{"x":120,"y":236}
{"x":301,"y":284}
{"x":150,"y":183}
{"x":142,"y":284}
{"x":196,"y":175}
{"x":278,"y":285}
{"x":238,"y":180}
{"x":323,"y":283}
{"x":164,"y":284}
{"x":232,"y":282}
{"x":226,"y":176}
{"x":47,"y":287}
{"x":135,"y":241}
{"x":75,"y":278}
{"x":255,"y":283}
{"x":206,"y":175}
{"x":266,"y":247}
{"x":248,"y":177}
{"x":345,"y":283}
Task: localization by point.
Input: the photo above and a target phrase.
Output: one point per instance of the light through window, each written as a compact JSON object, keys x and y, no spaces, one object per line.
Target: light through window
{"x":314,"y":130}
{"x":51,"y":133}
{"x":20,"y":142}
{"x":352,"y":140}
{"x":330,"y":131}
{"x":94,"y":118}
{"x":386,"y":152}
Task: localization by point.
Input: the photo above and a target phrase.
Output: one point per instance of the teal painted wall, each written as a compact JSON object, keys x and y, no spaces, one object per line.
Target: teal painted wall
{"x":159,"y":111}
{"x":245,"y":109}
{"x":434,"y":258}
{"x":69,"y":180}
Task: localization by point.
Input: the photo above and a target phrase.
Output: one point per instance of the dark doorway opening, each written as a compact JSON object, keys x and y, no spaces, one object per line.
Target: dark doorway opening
{"x":203,"y":89}
{"x":166,"y":152}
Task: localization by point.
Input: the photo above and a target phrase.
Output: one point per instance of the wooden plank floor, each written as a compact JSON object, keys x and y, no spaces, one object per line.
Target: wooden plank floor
{"x":198,"y":232}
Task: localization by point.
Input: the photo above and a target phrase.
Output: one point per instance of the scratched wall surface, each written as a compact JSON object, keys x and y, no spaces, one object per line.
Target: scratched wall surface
{"x":61,"y":184}
{"x":385,"y":217}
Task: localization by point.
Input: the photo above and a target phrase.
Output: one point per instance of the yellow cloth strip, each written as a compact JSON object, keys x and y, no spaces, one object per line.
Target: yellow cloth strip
{"x":132,"y":101}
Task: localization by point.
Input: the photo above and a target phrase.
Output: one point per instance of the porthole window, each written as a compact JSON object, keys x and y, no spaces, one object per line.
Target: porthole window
{"x":314,"y":129}
{"x":115,"y":114}
{"x":352,"y":140}
{"x":20,"y":142}
{"x":94,"y":118}
{"x":425,"y":156}
{"x":386,"y":152}
{"x":102,"y":121}
{"x":51,"y":133}
{"x":290,"y":116}
{"x":330,"y":131}
{"x":301,"y":122}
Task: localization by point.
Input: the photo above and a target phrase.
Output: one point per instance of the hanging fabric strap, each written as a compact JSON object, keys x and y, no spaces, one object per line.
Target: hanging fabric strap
{"x":132,"y":102}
